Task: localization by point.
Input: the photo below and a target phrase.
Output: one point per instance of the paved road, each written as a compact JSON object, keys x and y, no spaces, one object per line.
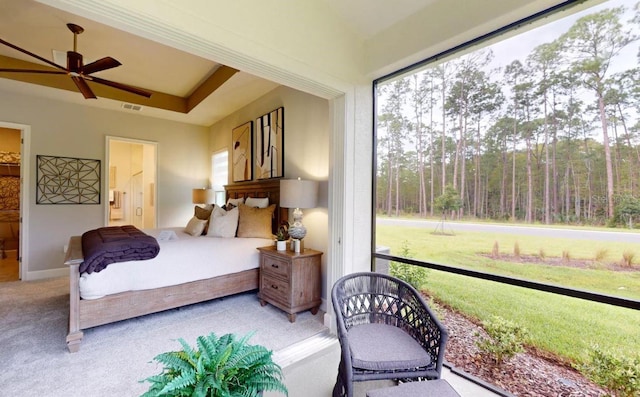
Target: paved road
{"x":524,"y":230}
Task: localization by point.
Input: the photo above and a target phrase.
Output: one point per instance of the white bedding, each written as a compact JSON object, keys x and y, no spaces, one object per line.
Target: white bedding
{"x":182,"y":260}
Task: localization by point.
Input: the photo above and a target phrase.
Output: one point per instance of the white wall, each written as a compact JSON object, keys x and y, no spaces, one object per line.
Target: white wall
{"x":306,"y":148}
{"x":68,"y":130}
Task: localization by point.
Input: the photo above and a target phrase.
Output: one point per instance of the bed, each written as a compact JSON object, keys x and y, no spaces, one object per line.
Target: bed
{"x":90,"y":307}
{"x":9,"y":201}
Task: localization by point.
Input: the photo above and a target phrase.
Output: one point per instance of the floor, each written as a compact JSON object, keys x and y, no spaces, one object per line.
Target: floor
{"x":9,"y":267}
{"x":310,"y":369}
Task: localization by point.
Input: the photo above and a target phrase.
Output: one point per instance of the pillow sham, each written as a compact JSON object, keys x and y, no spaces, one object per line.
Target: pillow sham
{"x":257,"y":202}
{"x":195,"y":226}
{"x":223,"y":223}
{"x":235,"y":202}
{"x":202,"y":213}
{"x":255,"y":222}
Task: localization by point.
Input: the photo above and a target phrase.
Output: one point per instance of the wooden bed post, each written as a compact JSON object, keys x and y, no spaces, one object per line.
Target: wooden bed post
{"x":73,"y":259}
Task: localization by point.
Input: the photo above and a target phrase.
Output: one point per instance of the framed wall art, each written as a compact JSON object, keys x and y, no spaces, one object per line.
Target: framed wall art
{"x":269,"y":145}
{"x":242,"y":155}
{"x":67,"y":180}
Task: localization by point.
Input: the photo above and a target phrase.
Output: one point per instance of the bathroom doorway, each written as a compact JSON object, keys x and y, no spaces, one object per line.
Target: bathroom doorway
{"x":131,"y":182}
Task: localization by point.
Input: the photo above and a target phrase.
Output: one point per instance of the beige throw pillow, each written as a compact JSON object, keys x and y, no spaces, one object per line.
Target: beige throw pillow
{"x":255,"y":222}
{"x":223,"y":223}
{"x":195,"y":227}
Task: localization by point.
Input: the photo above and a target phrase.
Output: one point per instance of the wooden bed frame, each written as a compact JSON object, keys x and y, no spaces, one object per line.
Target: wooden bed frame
{"x":93,"y":312}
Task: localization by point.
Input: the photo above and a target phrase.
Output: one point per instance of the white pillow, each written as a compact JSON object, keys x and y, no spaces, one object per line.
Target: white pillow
{"x":235,"y":202}
{"x":257,"y":202}
{"x":223,"y":223}
{"x":195,"y":226}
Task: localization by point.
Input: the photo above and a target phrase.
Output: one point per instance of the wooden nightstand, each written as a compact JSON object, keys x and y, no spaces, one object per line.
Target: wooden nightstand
{"x":290,"y":281}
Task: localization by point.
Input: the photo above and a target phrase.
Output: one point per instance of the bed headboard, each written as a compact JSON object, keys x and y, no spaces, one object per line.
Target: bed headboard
{"x":265,"y":188}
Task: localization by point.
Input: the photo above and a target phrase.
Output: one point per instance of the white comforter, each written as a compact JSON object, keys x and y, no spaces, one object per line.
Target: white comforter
{"x":182,"y":260}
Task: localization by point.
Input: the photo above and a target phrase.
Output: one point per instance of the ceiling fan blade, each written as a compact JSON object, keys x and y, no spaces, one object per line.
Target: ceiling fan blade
{"x":33,"y":55}
{"x":124,"y":87}
{"x":33,"y":71}
{"x":100,"y":65}
{"x":83,"y":87}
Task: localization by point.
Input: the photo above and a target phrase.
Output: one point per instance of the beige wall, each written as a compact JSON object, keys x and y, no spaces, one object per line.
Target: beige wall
{"x":306,"y":148}
{"x":69,"y":130}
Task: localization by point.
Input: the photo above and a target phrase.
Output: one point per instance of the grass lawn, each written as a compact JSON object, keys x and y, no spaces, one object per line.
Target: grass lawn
{"x":561,"y":325}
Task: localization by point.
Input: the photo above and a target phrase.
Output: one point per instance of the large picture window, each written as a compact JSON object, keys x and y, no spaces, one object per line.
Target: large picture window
{"x":507,"y":171}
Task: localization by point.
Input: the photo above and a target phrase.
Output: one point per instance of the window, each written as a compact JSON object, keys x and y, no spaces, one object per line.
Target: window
{"x":499,"y":166}
{"x":220,"y":175}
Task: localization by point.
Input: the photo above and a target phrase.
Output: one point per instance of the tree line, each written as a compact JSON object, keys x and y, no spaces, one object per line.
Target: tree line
{"x":553,"y":138}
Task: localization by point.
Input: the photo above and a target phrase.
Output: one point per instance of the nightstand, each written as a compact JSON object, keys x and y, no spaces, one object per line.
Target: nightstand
{"x":290,"y":281}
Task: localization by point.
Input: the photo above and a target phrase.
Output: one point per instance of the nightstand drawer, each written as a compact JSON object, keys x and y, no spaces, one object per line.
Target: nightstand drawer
{"x":275,"y":288}
{"x":275,"y":267}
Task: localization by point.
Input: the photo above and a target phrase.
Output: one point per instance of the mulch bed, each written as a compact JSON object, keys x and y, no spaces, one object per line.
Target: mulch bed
{"x":527,"y":374}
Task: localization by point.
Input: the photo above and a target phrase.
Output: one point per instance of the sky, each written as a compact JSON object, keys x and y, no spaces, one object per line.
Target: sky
{"x":520,"y":46}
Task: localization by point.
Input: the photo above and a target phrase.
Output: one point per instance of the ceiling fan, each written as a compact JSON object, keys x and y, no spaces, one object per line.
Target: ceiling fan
{"x":75,"y":69}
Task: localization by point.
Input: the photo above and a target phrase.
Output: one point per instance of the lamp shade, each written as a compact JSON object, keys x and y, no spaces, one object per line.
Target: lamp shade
{"x":296,"y":193}
{"x":203,"y":196}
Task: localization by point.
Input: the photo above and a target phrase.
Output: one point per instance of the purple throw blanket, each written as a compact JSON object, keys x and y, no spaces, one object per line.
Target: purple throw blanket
{"x":107,"y":245}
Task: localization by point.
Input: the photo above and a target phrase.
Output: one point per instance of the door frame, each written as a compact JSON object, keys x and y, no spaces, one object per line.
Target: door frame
{"x":107,"y":161}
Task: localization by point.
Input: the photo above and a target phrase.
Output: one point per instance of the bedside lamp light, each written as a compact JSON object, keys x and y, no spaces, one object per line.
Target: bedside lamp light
{"x":296,"y":193}
{"x":202,"y":196}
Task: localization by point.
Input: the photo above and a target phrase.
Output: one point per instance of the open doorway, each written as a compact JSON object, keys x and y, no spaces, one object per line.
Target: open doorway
{"x":10,"y":184}
{"x":131,"y":182}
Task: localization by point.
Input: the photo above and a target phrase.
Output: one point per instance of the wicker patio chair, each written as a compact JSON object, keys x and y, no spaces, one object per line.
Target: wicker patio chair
{"x":386,"y":331}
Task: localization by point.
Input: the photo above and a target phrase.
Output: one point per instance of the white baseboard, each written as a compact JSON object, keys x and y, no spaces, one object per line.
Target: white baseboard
{"x":49,"y":273}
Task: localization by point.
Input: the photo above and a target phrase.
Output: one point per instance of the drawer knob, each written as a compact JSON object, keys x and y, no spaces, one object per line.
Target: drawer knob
{"x":274,"y":286}
{"x":274,"y":265}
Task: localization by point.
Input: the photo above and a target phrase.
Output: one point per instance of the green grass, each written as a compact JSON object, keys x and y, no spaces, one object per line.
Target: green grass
{"x":561,"y":325}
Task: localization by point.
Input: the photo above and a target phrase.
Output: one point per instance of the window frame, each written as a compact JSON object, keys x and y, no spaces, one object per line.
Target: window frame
{"x":457,"y":50}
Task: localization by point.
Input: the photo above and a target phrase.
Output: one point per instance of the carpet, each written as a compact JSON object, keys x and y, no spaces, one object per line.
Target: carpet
{"x":115,"y":358}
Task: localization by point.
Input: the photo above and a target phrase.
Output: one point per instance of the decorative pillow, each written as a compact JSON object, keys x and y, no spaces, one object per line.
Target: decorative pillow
{"x":235,"y":202}
{"x":223,"y":223}
{"x":202,"y":213}
{"x":195,"y":227}
{"x":257,"y":202}
{"x":255,"y":222}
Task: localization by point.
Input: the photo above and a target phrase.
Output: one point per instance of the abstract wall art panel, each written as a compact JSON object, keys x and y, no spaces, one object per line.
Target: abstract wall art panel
{"x":242,"y":152}
{"x":67,"y":180}
{"x":269,"y":146}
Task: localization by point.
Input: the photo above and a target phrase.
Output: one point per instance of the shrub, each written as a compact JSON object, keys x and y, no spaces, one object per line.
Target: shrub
{"x":541,"y":254}
{"x":506,"y":338}
{"x":627,"y":258}
{"x":414,"y":275}
{"x":601,"y":253}
{"x":618,"y":374}
{"x":495,"y":252}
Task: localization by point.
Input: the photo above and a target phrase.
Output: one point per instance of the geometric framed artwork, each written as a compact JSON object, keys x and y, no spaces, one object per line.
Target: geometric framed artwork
{"x":242,"y":157}
{"x":67,"y":180}
{"x":269,"y":145}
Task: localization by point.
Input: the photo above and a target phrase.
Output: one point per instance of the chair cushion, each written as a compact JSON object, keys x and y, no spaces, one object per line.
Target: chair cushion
{"x":430,"y":388}
{"x":382,"y":347}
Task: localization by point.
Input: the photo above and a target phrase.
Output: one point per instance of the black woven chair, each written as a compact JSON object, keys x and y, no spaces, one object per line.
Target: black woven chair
{"x":386,"y":331}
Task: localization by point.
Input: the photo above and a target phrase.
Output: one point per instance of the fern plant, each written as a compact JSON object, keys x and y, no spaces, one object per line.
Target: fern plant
{"x":217,"y":367}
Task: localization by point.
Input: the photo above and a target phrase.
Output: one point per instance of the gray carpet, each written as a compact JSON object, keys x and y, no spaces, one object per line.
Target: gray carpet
{"x":114,"y":358}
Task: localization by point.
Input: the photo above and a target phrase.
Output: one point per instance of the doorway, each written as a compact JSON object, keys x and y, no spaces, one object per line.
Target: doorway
{"x":131,"y":184}
{"x":10,"y":195}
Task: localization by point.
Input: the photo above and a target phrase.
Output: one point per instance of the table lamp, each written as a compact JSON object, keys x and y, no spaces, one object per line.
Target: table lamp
{"x":202,"y":196}
{"x":296,"y":193}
